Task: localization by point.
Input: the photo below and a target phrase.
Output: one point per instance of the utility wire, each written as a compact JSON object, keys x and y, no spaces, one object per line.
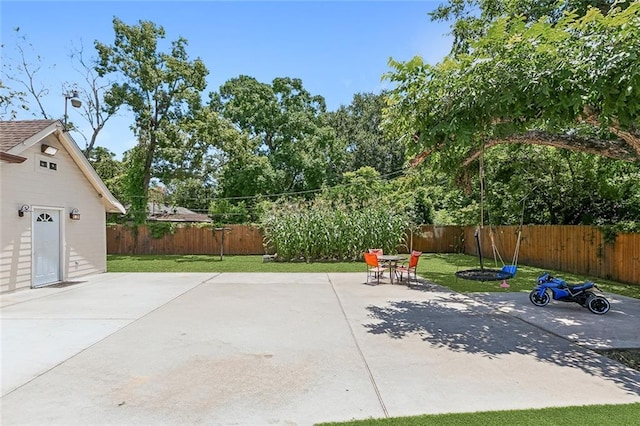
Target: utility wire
{"x":386,"y":176}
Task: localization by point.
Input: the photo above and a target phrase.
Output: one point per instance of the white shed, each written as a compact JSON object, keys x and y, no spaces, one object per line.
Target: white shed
{"x":53,"y":210}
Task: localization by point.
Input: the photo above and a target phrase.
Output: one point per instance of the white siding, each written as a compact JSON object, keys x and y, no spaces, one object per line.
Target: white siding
{"x":15,"y":235}
{"x":84,"y":240}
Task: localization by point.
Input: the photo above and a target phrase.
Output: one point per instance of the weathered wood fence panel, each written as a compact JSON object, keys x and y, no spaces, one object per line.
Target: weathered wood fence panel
{"x":437,"y":239}
{"x":623,"y":259}
{"x":239,"y":239}
{"x":576,"y":249}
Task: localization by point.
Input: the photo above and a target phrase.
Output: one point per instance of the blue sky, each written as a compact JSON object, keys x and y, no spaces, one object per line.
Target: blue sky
{"x":337,"y":48}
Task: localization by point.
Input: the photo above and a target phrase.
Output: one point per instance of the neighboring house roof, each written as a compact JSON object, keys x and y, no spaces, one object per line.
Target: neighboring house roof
{"x":18,"y":136}
{"x":163,"y":212}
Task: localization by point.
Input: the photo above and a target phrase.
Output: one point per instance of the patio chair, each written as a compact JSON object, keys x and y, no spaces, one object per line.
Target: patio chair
{"x":380,"y":252}
{"x":374,"y":269}
{"x":411,"y":267}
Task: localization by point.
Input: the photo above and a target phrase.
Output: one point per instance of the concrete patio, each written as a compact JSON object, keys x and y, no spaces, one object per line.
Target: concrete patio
{"x":253,"y":349}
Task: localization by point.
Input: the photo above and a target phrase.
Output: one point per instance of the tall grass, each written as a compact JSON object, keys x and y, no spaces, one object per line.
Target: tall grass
{"x":311,"y":232}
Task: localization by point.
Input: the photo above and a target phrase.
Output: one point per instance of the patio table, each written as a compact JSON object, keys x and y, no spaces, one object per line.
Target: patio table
{"x":393,"y":260}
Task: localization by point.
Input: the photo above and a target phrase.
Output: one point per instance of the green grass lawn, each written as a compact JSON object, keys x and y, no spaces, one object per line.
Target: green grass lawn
{"x":205,"y":263}
{"x":619,"y":415}
{"x":439,"y":268}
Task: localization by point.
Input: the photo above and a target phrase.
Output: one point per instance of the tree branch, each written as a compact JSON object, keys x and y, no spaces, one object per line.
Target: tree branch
{"x":627,"y":137}
{"x":618,"y":149}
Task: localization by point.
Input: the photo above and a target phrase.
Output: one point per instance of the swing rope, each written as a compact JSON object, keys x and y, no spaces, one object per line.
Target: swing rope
{"x":517,"y":250}
{"x":507,"y":271}
{"x":481,"y":171}
{"x":494,"y":247}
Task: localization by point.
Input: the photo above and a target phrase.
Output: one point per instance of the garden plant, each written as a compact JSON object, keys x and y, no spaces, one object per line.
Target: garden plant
{"x":319,"y":231}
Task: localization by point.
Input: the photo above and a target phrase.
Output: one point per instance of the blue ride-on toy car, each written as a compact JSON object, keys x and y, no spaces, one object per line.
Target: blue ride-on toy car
{"x":548,"y":287}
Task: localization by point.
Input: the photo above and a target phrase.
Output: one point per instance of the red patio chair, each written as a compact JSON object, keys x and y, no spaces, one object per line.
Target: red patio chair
{"x":411,"y":267}
{"x":380,"y":252}
{"x":374,"y":269}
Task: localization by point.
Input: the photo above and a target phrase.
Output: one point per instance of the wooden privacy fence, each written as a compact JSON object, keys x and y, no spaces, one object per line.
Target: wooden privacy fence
{"x":577,"y":249}
{"x":247,"y":239}
{"x":437,"y":239}
{"x":238,"y":239}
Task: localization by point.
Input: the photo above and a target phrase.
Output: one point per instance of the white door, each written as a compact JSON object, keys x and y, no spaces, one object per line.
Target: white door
{"x":46,"y":247}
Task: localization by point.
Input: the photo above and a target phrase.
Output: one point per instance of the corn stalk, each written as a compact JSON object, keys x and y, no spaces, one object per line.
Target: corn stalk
{"x":314,"y":232}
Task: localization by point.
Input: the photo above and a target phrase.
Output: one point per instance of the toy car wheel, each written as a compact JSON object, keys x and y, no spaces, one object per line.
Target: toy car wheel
{"x":598,"y":305}
{"x":538,"y":299}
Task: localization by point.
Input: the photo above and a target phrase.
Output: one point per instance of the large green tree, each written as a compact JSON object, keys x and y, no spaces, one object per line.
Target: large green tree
{"x":471,"y":18}
{"x":359,"y":125}
{"x":110,"y":170}
{"x":160,"y":88}
{"x":571,"y":81}
{"x":288,"y":144}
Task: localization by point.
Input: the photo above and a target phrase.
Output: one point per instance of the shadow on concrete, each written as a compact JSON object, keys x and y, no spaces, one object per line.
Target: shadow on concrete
{"x":458,"y":323}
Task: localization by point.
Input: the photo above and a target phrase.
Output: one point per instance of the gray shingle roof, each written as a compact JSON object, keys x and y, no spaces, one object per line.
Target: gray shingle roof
{"x":163,"y":212}
{"x":13,"y":133}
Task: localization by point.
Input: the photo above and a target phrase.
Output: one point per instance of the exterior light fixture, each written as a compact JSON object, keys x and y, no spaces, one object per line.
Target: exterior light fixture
{"x":75,"y":214}
{"x":48,"y":149}
{"x":22,"y":210}
{"x":75,"y":102}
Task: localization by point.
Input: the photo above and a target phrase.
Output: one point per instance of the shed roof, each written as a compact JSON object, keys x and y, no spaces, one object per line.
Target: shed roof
{"x":13,"y":133}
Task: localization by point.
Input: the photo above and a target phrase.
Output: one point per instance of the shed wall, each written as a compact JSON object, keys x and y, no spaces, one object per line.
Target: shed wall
{"x":83,"y":241}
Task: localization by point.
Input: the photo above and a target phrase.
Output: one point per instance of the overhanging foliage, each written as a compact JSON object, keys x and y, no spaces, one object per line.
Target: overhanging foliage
{"x":573,"y":83}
